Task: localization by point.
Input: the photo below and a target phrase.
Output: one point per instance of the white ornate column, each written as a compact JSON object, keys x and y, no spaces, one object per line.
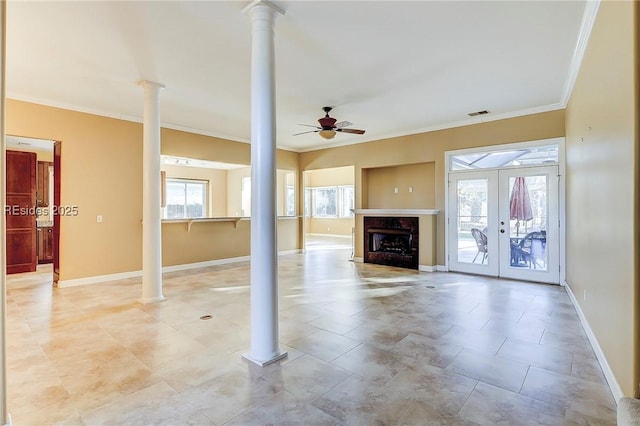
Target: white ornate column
{"x":265,"y":347}
{"x":151,"y":225}
{"x":5,"y":418}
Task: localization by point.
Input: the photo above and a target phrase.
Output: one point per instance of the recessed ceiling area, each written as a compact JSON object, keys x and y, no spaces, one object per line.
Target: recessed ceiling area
{"x":390,"y":67}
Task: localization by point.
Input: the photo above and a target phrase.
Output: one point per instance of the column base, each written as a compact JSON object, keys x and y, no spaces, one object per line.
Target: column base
{"x":147,"y":300}
{"x":278,"y":357}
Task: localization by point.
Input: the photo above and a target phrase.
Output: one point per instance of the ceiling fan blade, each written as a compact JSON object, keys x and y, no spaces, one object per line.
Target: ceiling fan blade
{"x":342,"y":124}
{"x":304,"y":133}
{"x":310,"y":125}
{"x":355,"y":131}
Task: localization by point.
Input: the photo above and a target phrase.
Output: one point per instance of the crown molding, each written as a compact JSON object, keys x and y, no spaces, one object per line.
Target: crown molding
{"x":588,"y":20}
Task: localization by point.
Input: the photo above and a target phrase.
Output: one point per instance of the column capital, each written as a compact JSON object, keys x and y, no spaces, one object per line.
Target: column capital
{"x":266,"y":3}
{"x":149,"y":83}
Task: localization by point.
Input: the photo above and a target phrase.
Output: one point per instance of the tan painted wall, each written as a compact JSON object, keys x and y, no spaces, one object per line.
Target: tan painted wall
{"x":430,"y":147}
{"x":382,"y":181}
{"x":234,"y":191}
{"x":217,"y":179}
{"x":330,"y":225}
{"x":601,"y":146}
{"x":234,"y":194}
{"x":102,"y":175}
{"x":217,"y":240}
{"x":329,"y":177}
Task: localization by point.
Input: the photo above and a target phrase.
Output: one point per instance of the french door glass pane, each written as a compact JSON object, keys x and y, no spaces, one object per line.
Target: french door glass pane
{"x":472,"y":221}
{"x":528,"y":222}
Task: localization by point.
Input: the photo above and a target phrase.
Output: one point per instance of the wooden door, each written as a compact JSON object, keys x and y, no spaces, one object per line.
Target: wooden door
{"x":55,"y":244}
{"x":42,"y":190}
{"x":21,"y":212}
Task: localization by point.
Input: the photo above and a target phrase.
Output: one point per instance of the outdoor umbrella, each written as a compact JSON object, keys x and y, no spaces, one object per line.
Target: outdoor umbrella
{"x":520,"y":203}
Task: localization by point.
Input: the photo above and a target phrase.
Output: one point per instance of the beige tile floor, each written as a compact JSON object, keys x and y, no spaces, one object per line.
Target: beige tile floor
{"x":367,"y":345}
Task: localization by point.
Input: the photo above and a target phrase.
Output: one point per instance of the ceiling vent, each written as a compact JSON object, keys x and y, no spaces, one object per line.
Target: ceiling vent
{"x":473,"y":114}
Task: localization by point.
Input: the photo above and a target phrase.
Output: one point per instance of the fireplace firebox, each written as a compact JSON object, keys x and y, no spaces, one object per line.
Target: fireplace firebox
{"x":391,"y":241}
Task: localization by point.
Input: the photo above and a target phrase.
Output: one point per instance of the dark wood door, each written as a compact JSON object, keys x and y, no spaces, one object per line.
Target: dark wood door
{"x":42,"y":189}
{"x":45,"y":244}
{"x":21,"y":212}
{"x":55,"y":243}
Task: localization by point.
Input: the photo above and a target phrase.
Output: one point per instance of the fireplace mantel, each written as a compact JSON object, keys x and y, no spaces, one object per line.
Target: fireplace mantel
{"x":395,"y":212}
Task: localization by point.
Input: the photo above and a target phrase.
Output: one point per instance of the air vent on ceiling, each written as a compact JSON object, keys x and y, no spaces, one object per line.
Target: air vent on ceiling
{"x":473,"y":114}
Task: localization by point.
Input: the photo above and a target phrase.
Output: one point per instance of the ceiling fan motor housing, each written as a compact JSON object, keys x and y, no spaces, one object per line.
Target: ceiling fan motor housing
{"x":327,"y":123}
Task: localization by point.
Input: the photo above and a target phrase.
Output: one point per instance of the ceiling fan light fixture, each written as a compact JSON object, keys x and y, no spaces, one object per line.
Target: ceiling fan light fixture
{"x":327,"y":134}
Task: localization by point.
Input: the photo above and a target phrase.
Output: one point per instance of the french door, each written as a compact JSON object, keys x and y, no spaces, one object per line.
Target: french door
{"x":504,"y":223}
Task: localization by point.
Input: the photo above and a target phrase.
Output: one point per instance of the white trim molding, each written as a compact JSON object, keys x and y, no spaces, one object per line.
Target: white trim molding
{"x":588,"y":19}
{"x":329,"y":235}
{"x":616,"y":390}
{"x":196,"y":265}
{"x":358,"y":259}
{"x":442,"y":268}
{"x":396,"y":211}
{"x":427,"y":268}
{"x":98,"y":279}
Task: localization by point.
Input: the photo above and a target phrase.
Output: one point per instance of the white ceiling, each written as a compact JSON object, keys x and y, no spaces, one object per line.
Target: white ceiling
{"x":390,"y":67}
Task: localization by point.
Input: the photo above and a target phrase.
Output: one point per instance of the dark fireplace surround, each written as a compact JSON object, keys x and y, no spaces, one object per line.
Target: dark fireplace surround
{"x":391,"y":241}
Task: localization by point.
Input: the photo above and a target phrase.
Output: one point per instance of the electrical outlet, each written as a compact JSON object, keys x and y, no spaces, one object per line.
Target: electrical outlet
{"x":99,"y":218}
{"x":411,"y":189}
{"x":395,"y":190}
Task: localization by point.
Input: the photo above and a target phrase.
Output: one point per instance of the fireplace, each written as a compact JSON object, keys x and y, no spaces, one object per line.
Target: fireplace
{"x":391,"y":241}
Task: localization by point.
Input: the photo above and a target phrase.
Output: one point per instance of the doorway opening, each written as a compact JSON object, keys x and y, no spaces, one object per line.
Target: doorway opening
{"x":503,"y":212}
{"x":329,"y":199}
{"x":33,"y":197}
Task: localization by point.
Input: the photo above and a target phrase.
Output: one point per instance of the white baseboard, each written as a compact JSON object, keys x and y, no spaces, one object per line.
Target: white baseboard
{"x":174,"y":268}
{"x":358,"y":259}
{"x":442,"y":268}
{"x":196,"y":265}
{"x":616,"y":390}
{"x":330,"y":235}
{"x":99,"y":279}
{"x":426,"y":268}
{"x":288,"y":252}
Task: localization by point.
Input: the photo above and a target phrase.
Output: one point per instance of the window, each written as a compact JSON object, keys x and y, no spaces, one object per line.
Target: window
{"x":346,"y":201}
{"x":186,"y":199}
{"x":291,"y":200}
{"x":324,"y":202}
{"x":537,"y":155}
{"x":307,"y":202}
{"x":331,"y":201}
{"x":246,"y":196}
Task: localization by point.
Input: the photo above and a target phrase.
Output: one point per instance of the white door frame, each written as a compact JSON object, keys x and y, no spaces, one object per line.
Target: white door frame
{"x":561,"y":192}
